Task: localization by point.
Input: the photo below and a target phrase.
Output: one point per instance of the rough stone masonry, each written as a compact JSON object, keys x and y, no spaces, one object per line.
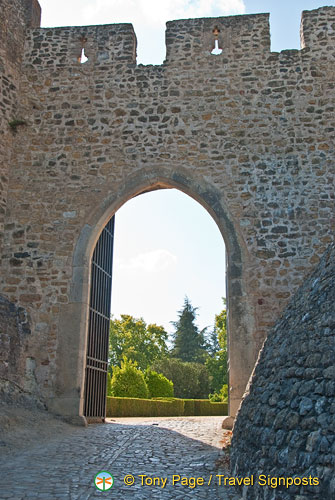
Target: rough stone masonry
{"x":248,"y":133}
{"x":286,"y":423}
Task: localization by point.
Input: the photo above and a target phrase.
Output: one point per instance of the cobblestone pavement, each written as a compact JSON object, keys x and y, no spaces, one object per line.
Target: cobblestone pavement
{"x":65,"y":466}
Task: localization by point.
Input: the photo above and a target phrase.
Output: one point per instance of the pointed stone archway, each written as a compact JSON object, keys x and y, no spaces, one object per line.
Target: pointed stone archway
{"x":72,"y":345}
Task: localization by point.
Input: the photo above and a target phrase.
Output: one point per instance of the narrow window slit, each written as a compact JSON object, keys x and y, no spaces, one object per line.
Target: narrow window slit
{"x":82,"y":58}
{"x":216,"y":50}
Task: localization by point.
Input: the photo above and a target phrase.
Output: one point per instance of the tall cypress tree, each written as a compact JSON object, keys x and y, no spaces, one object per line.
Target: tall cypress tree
{"x":188,"y":342}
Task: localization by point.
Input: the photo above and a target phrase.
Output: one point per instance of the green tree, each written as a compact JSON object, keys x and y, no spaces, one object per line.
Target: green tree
{"x":212,"y":342}
{"x":221,"y":396}
{"x":221,"y":326}
{"x":217,"y":368}
{"x":190,"y":380}
{"x":137,"y":341}
{"x":188,"y":341}
{"x":158,"y":385}
{"x":217,"y":364}
{"x":128,"y":381}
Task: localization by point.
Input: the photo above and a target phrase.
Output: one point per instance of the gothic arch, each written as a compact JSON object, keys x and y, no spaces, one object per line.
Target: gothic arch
{"x":73,"y":319}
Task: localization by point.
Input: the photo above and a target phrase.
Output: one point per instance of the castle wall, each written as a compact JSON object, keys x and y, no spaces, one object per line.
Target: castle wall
{"x":15,"y":17}
{"x":286,"y":420}
{"x":254,"y":127}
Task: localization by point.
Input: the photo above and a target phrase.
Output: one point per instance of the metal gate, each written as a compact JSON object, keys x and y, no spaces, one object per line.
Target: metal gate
{"x":98,"y":325}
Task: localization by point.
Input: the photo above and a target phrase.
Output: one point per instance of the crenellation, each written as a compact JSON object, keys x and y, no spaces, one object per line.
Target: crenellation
{"x":61,"y":47}
{"x":317,"y":32}
{"x":190,"y":41}
{"x":33,"y":13}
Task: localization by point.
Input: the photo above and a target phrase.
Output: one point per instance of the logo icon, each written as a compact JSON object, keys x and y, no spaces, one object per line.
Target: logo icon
{"x":103,"y":481}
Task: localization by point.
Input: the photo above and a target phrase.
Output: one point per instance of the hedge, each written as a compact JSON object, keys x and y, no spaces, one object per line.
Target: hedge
{"x":204,"y":407}
{"x":189,"y":407}
{"x":163,"y":407}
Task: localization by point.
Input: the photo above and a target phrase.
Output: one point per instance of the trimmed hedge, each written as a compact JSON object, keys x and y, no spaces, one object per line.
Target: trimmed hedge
{"x":204,"y":407}
{"x":135,"y":407}
{"x":163,"y":407}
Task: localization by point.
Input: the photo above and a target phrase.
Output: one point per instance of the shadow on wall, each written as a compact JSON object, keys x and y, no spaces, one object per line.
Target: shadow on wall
{"x":285,"y":426}
{"x":15,"y":332}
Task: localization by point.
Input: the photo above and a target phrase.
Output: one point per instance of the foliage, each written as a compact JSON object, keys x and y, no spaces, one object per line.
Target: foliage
{"x":137,"y":341}
{"x":212,"y":342}
{"x":221,"y":396}
{"x":217,"y":370}
{"x":188,"y":342}
{"x":109,"y":385}
{"x":204,"y":407}
{"x":146,"y":346}
{"x":190,"y":380}
{"x":128,"y":381}
{"x":217,"y":364}
{"x":221,"y":326}
{"x":158,"y":385}
{"x":132,"y":407}
{"x":16,"y":122}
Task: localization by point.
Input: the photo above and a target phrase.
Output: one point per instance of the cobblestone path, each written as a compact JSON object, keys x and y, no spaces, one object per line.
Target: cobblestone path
{"x":65,"y":466}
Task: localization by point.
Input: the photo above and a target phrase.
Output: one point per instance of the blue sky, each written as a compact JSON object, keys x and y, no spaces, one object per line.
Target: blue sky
{"x":149,"y":17}
{"x":166,"y":244}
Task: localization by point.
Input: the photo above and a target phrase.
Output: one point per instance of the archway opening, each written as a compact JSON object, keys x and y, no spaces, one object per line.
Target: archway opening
{"x":73,"y":322}
{"x":166,"y":247}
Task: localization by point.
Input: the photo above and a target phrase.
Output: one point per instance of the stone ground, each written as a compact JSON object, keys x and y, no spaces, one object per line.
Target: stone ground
{"x":58,"y":461}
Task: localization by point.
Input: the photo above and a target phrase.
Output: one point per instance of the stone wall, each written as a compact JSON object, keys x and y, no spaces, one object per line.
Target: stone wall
{"x":189,"y":41}
{"x":57,"y":48}
{"x":15,"y":17}
{"x":14,"y":330}
{"x":286,"y":423}
{"x":317,"y":31}
{"x":248,"y":133}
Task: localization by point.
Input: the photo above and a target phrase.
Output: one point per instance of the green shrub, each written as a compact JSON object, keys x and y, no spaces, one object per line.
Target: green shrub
{"x":190,"y":380}
{"x":215,"y":397}
{"x":203,"y":407}
{"x":128,"y":381}
{"x":132,"y":407}
{"x":109,"y":385}
{"x":189,"y":407}
{"x":221,"y":396}
{"x":158,"y":385}
{"x":160,"y":407}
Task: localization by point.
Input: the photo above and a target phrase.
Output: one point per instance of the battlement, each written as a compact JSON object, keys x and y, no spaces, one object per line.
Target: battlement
{"x":236,"y":36}
{"x":16,"y":16}
{"x":32,"y":11}
{"x":317,"y":30}
{"x":63,"y":46}
{"x":188,"y":41}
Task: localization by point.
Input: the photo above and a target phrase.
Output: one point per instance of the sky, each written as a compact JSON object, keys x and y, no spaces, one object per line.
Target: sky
{"x":166,"y":244}
{"x":149,"y":18}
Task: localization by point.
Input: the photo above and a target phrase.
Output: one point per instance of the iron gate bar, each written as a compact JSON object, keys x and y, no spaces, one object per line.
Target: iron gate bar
{"x":98,"y":325}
